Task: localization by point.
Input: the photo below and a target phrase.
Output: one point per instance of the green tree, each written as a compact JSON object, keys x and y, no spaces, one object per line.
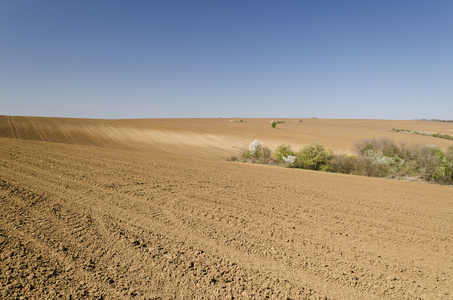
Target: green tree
{"x":283,"y":151}
{"x":314,"y":157}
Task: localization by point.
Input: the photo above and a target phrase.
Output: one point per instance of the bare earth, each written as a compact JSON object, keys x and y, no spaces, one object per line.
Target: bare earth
{"x":149,"y":209}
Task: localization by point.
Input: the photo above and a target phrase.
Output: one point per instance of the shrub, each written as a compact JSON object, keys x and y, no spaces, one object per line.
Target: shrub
{"x":377,"y":169}
{"x":384,"y":145}
{"x":289,"y":160}
{"x":233,"y":158}
{"x":314,"y":157}
{"x":377,"y":158}
{"x":427,"y":161}
{"x":283,"y":151}
{"x":388,"y":147}
{"x":442,"y":175}
{"x":256,"y":149}
{"x":257,"y":152}
{"x":450,"y":152}
{"x":273,"y":124}
{"x":266,"y":153}
{"x":436,"y":135}
{"x":272,"y":161}
{"x":360,"y":147}
{"x":345,"y":164}
{"x":444,"y":172}
{"x":405,"y":151}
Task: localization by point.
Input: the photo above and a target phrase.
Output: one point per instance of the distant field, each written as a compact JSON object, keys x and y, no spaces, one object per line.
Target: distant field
{"x":149,"y":209}
{"x":214,"y":138}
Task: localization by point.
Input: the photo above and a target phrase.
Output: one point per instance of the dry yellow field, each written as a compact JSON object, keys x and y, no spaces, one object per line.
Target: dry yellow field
{"x":214,"y":138}
{"x":150,"y":209}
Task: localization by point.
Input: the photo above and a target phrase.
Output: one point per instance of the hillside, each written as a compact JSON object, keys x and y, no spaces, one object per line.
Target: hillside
{"x":131,"y":209}
{"x":214,"y":138}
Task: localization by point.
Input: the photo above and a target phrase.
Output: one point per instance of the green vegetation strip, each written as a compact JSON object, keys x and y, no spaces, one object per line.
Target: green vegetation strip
{"x":373,"y":158}
{"x":437,"y":135}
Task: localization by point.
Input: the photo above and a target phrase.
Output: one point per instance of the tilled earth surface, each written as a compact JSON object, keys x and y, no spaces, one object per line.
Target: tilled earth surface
{"x":218,"y":138}
{"x":87,"y":222}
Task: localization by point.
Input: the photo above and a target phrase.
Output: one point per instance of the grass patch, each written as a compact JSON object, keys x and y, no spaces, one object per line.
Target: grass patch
{"x":436,"y":135}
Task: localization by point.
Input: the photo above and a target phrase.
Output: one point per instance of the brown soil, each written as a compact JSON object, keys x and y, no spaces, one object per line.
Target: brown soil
{"x":92,"y":217}
{"x":214,"y":138}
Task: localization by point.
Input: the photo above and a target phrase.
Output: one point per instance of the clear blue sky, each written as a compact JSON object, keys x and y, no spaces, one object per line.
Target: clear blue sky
{"x":159,"y":59}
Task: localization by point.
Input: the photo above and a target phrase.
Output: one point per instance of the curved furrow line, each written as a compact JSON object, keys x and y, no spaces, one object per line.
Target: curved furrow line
{"x":57,"y":181}
{"x":90,"y":251}
{"x":207,"y":208}
{"x":314,"y":261}
{"x":140,"y":224}
{"x":198,"y":227}
{"x":42,"y":231}
{"x":213,"y":234}
{"x":82,"y":189}
{"x":61,"y":214}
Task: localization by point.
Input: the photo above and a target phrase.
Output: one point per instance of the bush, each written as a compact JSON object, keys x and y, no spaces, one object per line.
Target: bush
{"x":376,"y":158}
{"x":283,"y":151}
{"x":232,"y":158}
{"x":362,"y":146}
{"x":450,"y":152}
{"x":444,"y":172}
{"x":266,"y":153}
{"x":388,"y":147}
{"x":405,"y":151}
{"x":436,"y":135}
{"x":377,"y":169}
{"x":273,"y":124}
{"x":363,"y":166}
{"x":384,"y":145}
{"x":257,"y":152}
{"x":289,"y":160}
{"x":345,"y":164}
{"x":427,"y":161}
{"x":256,"y":149}
{"x":314,"y":157}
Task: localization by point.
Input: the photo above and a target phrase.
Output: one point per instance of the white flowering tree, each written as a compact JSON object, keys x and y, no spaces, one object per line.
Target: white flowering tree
{"x":289,"y":160}
{"x":255,"y":148}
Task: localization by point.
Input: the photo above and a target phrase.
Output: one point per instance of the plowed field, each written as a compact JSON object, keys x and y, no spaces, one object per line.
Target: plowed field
{"x":215,"y":138}
{"x":127,"y":216}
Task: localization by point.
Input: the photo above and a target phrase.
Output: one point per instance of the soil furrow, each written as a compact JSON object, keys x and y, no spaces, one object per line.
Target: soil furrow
{"x":204,"y":231}
{"x":123,"y":224}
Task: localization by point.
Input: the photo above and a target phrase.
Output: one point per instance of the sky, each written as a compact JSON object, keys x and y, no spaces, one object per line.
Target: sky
{"x":209,"y":59}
